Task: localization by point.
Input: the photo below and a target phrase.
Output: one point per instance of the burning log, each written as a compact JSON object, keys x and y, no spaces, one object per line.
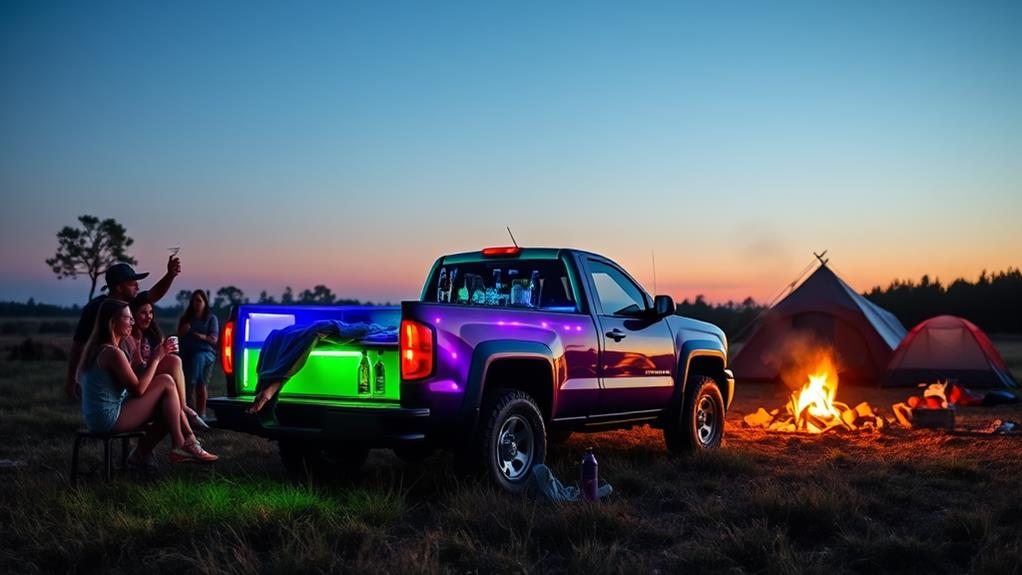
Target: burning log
{"x":812,"y":409}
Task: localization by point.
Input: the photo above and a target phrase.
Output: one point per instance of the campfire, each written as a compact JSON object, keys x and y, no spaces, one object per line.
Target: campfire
{"x":813,"y":409}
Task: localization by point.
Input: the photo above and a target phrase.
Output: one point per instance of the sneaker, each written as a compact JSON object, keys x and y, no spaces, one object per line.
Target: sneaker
{"x":197,"y":422}
{"x":191,"y":452}
{"x":147,"y":464}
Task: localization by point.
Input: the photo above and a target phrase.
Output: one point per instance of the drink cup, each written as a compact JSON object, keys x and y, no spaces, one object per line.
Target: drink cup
{"x":173,"y":342}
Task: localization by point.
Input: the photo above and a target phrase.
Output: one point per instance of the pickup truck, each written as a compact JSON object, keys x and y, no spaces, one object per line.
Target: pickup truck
{"x":507,"y":349}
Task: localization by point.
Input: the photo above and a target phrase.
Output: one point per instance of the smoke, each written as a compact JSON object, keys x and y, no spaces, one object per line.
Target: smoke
{"x":802,"y":355}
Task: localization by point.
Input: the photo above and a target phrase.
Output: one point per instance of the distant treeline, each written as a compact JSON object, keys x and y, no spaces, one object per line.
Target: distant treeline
{"x":731,"y":317}
{"x":221,"y":301}
{"x":33,"y":309}
{"x":993,"y":302}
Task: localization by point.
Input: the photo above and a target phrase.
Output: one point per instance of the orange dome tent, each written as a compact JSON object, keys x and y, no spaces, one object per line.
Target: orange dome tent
{"x":947,"y":347}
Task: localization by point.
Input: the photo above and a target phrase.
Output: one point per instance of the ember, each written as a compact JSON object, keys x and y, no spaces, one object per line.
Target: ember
{"x":813,"y":409}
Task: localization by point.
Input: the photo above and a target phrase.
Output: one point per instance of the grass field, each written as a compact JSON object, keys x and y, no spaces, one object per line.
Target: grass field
{"x":896,"y":501}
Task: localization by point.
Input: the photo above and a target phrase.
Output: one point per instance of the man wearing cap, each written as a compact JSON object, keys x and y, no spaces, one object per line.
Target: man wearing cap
{"x":121,"y":283}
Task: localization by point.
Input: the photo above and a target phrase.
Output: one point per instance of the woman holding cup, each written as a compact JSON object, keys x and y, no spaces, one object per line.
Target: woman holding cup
{"x":115,"y":398}
{"x":145,"y":337}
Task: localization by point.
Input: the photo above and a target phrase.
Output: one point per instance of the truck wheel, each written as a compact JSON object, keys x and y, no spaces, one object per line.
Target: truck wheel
{"x":700,"y":423}
{"x":304,"y":459}
{"x":512,"y":438}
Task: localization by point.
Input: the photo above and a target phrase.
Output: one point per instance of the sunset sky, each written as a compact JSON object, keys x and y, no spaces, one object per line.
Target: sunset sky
{"x":350,"y":144}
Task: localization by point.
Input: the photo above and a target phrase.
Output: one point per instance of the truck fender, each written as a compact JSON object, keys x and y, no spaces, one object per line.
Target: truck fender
{"x":483,"y":356}
{"x":690,"y":350}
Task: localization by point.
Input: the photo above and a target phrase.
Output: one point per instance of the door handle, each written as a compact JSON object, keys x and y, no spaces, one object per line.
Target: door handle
{"x":615,"y":334}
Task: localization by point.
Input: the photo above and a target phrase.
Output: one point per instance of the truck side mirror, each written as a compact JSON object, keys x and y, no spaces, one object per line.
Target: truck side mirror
{"x":663,"y":306}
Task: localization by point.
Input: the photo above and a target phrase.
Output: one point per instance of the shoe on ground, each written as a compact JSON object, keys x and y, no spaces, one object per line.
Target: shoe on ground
{"x":191,"y":452}
{"x":197,"y":422}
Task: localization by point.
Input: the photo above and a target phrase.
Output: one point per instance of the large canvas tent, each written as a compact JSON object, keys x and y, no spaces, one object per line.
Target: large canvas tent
{"x":948,"y":347}
{"x":822,"y":311}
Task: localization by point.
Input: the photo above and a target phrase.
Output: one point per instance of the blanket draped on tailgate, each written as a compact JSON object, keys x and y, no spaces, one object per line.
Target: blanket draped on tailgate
{"x":285,"y":351}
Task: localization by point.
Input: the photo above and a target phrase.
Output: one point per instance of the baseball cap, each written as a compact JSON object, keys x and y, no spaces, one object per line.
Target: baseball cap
{"x":120,"y":273}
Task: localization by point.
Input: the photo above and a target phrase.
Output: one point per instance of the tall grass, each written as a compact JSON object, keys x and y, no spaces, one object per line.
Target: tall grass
{"x":896,"y":502}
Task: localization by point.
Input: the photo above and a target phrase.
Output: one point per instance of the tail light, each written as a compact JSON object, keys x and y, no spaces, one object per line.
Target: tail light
{"x":416,"y":342}
{"x":502,"y":251}
{"x":227,"y":348}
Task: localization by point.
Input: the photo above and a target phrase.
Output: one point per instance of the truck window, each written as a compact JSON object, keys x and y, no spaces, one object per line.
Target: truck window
{"x":618,"y":295}
{"x":523,"y":284}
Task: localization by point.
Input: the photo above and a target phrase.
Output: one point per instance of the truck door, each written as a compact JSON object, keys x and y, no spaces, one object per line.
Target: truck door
{"x":637,"y":350}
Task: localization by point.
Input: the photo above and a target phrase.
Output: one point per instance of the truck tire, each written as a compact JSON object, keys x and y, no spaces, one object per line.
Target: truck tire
{"x":304,"y":459}
{"x":511,"y":438}
{"x":699,"y":423}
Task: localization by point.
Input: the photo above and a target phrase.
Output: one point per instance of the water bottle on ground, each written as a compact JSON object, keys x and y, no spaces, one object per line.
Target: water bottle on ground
{"x":590,"y":475}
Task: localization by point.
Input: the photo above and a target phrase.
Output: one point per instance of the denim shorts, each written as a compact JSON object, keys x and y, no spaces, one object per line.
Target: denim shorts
{"x":198,"y":368}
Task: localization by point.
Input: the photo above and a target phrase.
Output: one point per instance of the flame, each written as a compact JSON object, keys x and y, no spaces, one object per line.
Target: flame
{"x":818,"y":396}
{"x":813,"y":407}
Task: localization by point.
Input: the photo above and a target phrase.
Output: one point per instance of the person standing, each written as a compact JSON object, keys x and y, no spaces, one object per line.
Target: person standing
{"x":199,"y":330}
{"x":122,"y":285}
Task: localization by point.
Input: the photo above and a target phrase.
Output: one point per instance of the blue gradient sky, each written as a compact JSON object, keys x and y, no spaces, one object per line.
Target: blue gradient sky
{"x":351,"y":143}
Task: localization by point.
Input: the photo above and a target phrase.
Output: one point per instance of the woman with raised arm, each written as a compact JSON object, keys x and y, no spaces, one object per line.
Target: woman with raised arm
{"x":115,"y":398}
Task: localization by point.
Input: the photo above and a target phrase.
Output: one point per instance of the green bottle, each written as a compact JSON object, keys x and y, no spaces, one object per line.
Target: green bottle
{"x":381,"y":378}
{"x":363,"y":375}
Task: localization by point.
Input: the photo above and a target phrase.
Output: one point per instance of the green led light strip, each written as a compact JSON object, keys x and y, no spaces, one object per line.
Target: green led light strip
{"x":329,"y":373}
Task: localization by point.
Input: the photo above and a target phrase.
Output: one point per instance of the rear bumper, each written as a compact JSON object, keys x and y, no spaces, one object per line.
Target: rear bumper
{"x":326,"y":421}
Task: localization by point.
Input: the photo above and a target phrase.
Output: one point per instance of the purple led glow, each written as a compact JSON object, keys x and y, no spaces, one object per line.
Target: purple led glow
{"x":436,"y":320}
{"x":444,"y":386}
{"x":515,"y":323}
{"x":501,"y":322}
{"x":578,"y":328}
{"x":454,"y":355}
{"x":544,"y":324}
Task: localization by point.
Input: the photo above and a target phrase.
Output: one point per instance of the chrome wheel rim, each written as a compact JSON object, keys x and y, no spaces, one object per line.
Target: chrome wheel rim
{"x":706,"y":420}
{"x":515,"y":449}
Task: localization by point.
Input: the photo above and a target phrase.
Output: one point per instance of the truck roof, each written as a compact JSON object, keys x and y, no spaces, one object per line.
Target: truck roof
{"x":523,"y":254}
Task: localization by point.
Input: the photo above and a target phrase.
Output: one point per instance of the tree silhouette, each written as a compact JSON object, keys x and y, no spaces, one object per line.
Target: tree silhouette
{"x":288,"y":297}
{"x":183,"y":298}
{"x":90,"y":249}
{"x":229,"y":295}
{"x":318,"y":295}
{"x":993,"y":302}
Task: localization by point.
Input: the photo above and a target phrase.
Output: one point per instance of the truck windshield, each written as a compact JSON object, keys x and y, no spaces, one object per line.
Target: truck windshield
{"x":524,"y":284}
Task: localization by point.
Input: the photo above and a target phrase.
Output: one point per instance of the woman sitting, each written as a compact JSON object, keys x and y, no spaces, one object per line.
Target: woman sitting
{"x":147,"y":336}
{"x":115,"y":399}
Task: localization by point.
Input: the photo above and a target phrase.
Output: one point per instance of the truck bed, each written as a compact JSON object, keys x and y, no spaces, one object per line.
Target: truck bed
{"x":332,"y":367}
